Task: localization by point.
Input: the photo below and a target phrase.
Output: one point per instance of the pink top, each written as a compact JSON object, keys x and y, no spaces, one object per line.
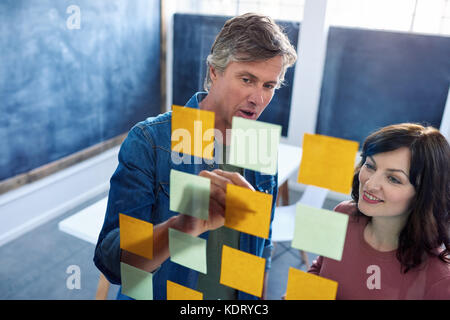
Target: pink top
{"x":365,"y":273}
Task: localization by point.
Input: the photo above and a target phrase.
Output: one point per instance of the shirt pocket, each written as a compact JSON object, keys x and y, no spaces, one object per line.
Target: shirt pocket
{"x":266,"y":186}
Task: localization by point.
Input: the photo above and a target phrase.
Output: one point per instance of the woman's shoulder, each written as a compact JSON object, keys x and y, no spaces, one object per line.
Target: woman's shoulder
{"x":438,"y":278}
{"x":438,"y":268}
{"x":349,"y":207}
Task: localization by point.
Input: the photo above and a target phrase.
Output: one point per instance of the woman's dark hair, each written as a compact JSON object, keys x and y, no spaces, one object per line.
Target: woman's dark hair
{"x":427,"y":227}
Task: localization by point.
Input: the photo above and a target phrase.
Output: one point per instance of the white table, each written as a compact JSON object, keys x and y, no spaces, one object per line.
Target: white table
{"x":87,"y":223}
{"x":288,"y":161}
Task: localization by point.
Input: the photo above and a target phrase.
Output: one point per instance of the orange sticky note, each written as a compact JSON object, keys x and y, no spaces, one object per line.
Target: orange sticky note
{"x":176,"y":291}
{"x":306,"y":286}
{"x":328,"y":162}
{"x":248,"y":211}
{"x":193,"y":131}
{"x":242,"y":271}
{"x":136,"y":236}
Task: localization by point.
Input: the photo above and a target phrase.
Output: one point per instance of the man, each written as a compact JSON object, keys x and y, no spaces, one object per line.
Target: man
{"x":247,"y":63}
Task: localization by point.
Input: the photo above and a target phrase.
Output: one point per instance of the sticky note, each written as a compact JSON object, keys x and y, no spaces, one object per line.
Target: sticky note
{"x":254,"y":145}
{"x":136,"y":236}
{"x":328,"y":162}
{"x":189,"y":194}
{"x":193,"y":131}
{"x":176,"y":291}
{"x":320,"y":231}
{"x":242,"y":271}
{"x":136,"y":283}
{"x":306,"y":286}
{"x":248,"y":211}
{"x":187,"y":250}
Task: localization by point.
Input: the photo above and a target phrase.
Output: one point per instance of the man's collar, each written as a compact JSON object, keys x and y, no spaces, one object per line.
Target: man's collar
{"x":194,"y":101}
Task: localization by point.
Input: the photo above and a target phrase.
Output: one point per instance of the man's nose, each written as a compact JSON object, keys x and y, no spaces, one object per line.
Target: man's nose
{"x":256,"y":97}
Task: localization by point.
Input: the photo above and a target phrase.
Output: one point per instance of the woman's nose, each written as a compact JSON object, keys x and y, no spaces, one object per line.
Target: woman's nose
{"x":373,"y":182}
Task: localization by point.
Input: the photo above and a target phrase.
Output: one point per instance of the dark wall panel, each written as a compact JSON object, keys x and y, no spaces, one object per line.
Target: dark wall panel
{"x":63,"y":90}
{"x":375,"y":78}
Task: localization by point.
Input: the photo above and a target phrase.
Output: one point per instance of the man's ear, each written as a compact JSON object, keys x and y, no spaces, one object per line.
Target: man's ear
{"x":212,"y":73}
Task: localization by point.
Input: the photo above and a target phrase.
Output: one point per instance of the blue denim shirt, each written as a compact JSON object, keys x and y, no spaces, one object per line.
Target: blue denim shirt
{"x":140,"y":188}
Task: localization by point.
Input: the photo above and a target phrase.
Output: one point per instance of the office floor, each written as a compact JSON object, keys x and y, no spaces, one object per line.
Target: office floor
{"x":35,"y":265}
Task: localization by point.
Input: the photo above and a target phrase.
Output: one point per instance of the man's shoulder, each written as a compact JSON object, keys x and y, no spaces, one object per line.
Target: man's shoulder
{"x":163,"y":120}
{"x":160,"y":121}
{"x":156,"y":125}
{"x":154,"y":130}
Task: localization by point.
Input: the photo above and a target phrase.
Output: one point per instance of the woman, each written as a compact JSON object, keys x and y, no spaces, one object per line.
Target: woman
{"x":397,"y":243}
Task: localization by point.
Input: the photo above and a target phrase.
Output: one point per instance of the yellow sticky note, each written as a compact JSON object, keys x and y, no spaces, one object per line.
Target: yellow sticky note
{"x":306,"y":286}
{"x":242,"y":271}
{"x":328,"y":162}
{"x":248,"y":211}
{"x":176,"y":291}
{"x":136,"y":236}
{"x":193,"y":131}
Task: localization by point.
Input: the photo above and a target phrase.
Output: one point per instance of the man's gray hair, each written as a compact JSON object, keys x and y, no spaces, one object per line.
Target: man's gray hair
{"x":249,"y":37}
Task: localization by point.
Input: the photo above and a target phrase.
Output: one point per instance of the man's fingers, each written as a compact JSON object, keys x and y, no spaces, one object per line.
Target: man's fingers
{"x":216,"y":215}
{"x":235,"y":178}
{"x":218,"y":186}
{"x":216,"y":207}
{"x":218,"y":194}
{"x":218,"y":180}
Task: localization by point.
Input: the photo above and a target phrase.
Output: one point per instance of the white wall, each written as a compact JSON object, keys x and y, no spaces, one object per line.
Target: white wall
{"x":311,"y":50}
{"x":169,"y":10}
{"x":445,"y":123}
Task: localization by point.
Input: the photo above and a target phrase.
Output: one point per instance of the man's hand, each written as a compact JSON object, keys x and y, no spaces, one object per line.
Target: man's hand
{"x":219,"y":180}
{"x":189,"y":224}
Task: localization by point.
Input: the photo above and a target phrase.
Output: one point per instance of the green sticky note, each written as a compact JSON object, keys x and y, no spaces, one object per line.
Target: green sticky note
{"x":189,"y":194}
{"x":254,"y":145}
{"x":187,"y":250}
{"x":320,"y":231}
{"x":136,"y":283}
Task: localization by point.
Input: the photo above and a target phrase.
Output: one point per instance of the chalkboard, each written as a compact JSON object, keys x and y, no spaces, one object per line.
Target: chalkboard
{"x":73,"y":76}
{"x":192,"y":40}
{"x":375,"y":78}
